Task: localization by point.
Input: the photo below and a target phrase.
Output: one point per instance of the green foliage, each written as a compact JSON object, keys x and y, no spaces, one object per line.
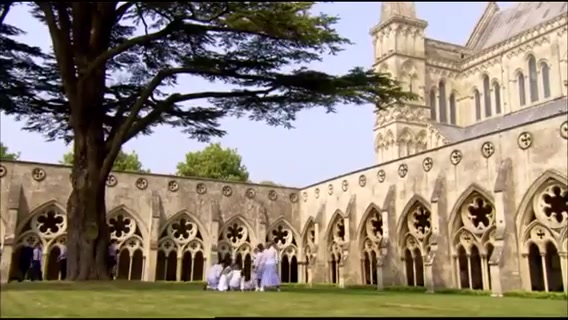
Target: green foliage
{"x":5,"y":155}
{"x":124,"y":162}
{"x":214,"y":162}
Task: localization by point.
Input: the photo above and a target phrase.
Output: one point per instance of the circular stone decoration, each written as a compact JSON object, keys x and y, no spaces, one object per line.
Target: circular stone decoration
{"x":111,"y":181}
{"x":456,"y":157}
{"x":38,"y":174}
{"x":330,"y":189}
{"x":487,"y":149}
{"x":173,"y":186}
{"x":344,"y":185}
{"x":402,"y":170}
{"x":525,"y":140}
{"x":141,"y":183}
{"x":305,"y":196}
{"x":201,"y":188}
{"x":317,"y":193}
{"x":427,"y":164}
{"x":272,"y":195}
{"x":362,"y":180}
{"x":293,"y":197}
{"x":227,"y":191}
{"x":564,"y":130}
{"x":250,"y":193}
{"x":3,"y":171}
{"x":91,"y":231}
{"x":382,"y":175}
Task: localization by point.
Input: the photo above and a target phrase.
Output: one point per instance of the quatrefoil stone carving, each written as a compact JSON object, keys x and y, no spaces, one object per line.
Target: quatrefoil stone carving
{"x":305,"y":196}
{"x":402,"y":170}
{"x":525,"y":140}
{"x":201,"y":188}
{"x":111,"y":180}
{"x":427,"y":164}
{"x":272,"y":195}
{"x":173,"y":186}
{"x":317,"y":193}
{"x":456,"y":157}
{"x":344,"y":185}
{"x":250,"y":193}
{"x":381,"y":175}
{"x":38,"y":174}
{"x":3,"y":171}
{"x":487,"y":149}
{"x":362,"y":180}
{"x":141,"y":183}
{"x":564,"y":130}
{"x":227,"y":191}
{"x":330,"y":189}
{"x":293,"y":197}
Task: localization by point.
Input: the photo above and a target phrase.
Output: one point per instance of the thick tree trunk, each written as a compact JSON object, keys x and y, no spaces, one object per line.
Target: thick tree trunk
{"x":87,"y":231}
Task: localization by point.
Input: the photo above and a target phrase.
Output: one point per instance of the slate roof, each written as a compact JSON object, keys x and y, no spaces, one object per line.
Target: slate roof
{"x":524,"y":116}
{"x":509,"y":22}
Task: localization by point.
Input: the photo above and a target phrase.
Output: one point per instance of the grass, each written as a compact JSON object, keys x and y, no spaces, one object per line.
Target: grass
{"x":144,"y":300}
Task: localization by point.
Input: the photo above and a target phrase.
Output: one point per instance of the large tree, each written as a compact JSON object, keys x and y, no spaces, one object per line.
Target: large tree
{"x":214,"y":162}
{"x":5,"y":155}
{"x":123,"y":162}
{"x":259,"y":50}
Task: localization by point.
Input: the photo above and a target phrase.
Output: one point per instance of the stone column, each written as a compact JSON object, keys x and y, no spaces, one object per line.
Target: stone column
{"x":380,"y":282}
{"x":10,"y":236}
{"x":564,"y":266}
{"x":429,"y":270}
{"x":151,"y":259}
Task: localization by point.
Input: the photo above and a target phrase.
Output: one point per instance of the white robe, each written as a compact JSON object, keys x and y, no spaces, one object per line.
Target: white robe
{"x":235,"y":280}
{"x":224,"y":280}
{"x":213,"y":276}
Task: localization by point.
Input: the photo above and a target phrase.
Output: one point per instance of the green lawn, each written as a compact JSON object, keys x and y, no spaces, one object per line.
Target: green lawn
{"x":138,"y":300}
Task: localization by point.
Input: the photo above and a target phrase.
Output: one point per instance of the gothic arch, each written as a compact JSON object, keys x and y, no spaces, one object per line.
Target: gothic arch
{"x":409,"y":204}
{"x":379,"y":142}
{"x":135,"y":216}
{"x":454,"y":213}
{"x":307,"y":225}
{"x":370,"y":235}
{"x":46,"y":205}
{"x":45,"y":225}
{"x":186,"y":214}
{"x":286,"y":240}
{"x":421,"y":140}
{"x":405,"y":135}
{"x":389,"y":138}
{"x":542,"y":224}
{"x":235,"y":242}
{"x":181,"y":249}
{"x":309,"y":249}
{"x":472,"y":234}
{"x":335,"y":239}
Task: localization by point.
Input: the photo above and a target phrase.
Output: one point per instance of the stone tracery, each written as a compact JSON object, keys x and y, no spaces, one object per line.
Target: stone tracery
{"x":283,"y":237}
{"x":181,"y":251}
{"x":336,"y":241}
{"x":371,"y":237}
{"x":235,"y":244}
{"x":474,"y":241}
{"x":126,"y":232}
{"x":47,"y":226}
{"x":414,"y":244}
{"x":544,"y":240}
{"x":310,"y":249}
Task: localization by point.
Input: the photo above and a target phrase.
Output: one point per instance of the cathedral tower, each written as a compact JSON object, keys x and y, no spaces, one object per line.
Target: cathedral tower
{"x":399,"y":49}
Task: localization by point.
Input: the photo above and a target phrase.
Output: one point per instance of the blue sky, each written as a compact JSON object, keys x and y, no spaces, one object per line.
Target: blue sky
{"x":321,"y":145}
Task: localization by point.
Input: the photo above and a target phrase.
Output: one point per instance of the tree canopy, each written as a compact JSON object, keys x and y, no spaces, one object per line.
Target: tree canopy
{"x":214,"y":162}
{"x":5,"y":155}
{"x":112,"y":74}
{"x":123,"y":162}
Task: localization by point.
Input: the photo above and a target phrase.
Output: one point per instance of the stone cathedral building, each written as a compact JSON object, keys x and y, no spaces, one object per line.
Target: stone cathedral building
{"x":469,"y":189}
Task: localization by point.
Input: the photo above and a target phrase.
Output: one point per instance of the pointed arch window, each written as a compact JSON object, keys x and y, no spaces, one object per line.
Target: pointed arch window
{"x":545,"y":71}
{"x":433,"y":105}
{"x":533,"y":79}
{"x":453,"y":108}
{"x":497,"y":90}
{"x":477,"y":98}
{"x":487,"y":96}
{"x":442,"y":102}
{"x":521,"y":84}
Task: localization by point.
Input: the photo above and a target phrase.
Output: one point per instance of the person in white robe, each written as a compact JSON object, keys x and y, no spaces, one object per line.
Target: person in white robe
{"x":270,"y":276}
{"x":213,"y":276}
{"x":235,"y":280}
{"x":257,"y":266}
{"x":224,"y":279}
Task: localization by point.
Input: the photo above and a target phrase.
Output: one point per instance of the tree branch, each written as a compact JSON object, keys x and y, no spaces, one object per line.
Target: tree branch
{"x":5,"y":9}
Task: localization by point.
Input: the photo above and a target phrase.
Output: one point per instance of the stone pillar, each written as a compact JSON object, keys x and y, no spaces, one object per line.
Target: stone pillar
{"x":495,"y":269}
{"x":564,"y":266}
{"x":10,"y":236}
{"x":214,"y":254}
{"x":380,"y":282}
{"x":429,"y":270}
{"x":6,"y":259}
{"x":151,"y":259}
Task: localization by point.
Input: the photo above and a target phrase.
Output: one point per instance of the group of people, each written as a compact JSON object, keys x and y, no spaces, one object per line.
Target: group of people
{"x":228,"y":276}
{"x":30,"y":264}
